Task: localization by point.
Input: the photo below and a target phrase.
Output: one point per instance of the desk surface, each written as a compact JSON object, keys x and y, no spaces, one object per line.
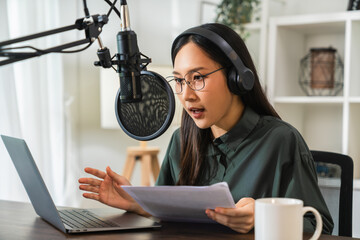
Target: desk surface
{"x":19,"y":221}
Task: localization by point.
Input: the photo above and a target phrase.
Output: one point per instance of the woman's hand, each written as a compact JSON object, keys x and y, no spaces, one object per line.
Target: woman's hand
{"x":107,"y":189}
{"x":240,"y":219}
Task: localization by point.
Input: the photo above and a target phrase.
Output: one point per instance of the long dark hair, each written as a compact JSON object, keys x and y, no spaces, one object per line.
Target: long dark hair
{"x":195,"y":141}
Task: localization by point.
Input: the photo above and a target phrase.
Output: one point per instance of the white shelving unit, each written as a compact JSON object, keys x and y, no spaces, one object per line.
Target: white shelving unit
{"x":326,"y":122}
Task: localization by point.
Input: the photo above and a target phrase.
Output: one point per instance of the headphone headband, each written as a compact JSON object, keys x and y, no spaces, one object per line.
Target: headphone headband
{"x":246,"y":75}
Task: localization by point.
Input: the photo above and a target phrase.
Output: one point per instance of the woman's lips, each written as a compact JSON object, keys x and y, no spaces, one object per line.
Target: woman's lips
{"x":196,"y":112}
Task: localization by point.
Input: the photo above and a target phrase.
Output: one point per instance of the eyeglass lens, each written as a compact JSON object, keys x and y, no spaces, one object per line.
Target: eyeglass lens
{"x":193,"y":79}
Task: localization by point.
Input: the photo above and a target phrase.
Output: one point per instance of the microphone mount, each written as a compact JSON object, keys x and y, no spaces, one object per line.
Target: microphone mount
{"x":121,"y":59}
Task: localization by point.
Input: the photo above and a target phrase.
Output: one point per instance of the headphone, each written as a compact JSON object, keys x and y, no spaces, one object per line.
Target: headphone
{"x":240,"y":78}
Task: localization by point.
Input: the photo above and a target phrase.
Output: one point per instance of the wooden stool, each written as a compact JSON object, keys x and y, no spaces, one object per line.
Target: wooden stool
{"x":149,"y":162}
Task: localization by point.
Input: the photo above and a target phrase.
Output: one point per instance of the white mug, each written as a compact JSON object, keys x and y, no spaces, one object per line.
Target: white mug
{"x":282,"y":219}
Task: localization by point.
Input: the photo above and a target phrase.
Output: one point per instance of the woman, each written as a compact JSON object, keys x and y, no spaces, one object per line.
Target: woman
{"x":238,"y":138}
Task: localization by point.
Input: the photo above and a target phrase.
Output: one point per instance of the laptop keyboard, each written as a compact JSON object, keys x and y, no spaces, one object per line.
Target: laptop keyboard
{"x":82,"y":218}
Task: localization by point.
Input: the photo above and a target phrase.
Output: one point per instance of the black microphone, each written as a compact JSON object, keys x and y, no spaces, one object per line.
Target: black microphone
{"x":145,"y":103}
{"x":129,"y":59}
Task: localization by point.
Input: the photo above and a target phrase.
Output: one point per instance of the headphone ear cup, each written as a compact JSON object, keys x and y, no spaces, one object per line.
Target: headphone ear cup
{"x":240,"y":86}
{"x":233,"y":81}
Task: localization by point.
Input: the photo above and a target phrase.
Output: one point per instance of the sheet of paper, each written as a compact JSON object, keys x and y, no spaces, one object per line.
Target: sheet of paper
{"x":182,"y":203}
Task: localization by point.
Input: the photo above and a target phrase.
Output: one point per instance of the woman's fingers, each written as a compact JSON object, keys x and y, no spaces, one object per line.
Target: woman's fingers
{"x":237,"y":212}
{"x":95,"y":172}
{"x":120,"y":180}
{"x":225,"y":219}
{"x":240,"y":219}
{"x":90,"y":181}
{"x":247,"y":201}
{"x":240,"y":224}
{"x":91,"y":196}
{"x":90,"y":184}
{"x":89,"y":188}
{"x":111,"y":173}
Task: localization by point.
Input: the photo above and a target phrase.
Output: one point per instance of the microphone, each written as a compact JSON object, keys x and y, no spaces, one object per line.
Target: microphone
{"x":129,"y":59}
{"x":145,"y":103}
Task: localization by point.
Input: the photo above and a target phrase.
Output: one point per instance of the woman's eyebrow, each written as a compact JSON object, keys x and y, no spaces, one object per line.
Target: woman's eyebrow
{"x":191,"y":70}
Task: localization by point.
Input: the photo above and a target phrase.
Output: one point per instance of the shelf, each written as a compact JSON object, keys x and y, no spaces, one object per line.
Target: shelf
{"x":309,"y":100}
{"x":354,"y":99}
{"x":335,"y":183}
{"x":329,"y":182}
{"x":308,"y":22}
{"x":334,"y":27}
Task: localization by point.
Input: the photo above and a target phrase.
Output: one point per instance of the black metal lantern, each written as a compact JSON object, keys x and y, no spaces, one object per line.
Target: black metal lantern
{"x":321,"y":72}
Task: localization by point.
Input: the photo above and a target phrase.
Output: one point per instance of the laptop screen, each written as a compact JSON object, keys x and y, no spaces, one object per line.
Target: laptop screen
{"x":32,"y":180}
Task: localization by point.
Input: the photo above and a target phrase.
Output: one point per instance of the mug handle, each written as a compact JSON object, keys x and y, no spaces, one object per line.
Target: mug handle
{"x":319,"y":222}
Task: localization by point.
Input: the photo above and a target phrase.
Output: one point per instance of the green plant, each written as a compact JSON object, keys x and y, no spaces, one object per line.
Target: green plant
{"x":235,"y":13}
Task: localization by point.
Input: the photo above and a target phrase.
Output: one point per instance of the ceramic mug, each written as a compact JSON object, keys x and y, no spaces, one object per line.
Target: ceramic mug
{"x":282,"y":219}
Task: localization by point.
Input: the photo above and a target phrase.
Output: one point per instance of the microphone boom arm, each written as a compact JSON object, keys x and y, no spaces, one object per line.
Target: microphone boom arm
{"x":92,"y":26}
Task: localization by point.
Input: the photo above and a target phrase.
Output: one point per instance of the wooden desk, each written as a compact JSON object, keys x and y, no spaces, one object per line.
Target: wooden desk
{"x":19,"y":221}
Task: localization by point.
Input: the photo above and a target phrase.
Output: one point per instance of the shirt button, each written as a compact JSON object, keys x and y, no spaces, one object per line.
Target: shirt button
{"x":217,"y":141}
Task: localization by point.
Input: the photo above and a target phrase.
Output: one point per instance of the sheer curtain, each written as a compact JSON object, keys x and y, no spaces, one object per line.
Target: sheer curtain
{"x":32,"y":101}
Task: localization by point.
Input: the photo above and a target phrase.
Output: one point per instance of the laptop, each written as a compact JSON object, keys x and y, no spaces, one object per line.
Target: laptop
{"x":67,"y":220}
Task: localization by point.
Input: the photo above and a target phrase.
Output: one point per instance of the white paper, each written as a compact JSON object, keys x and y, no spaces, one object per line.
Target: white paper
{"x":182,"y":203}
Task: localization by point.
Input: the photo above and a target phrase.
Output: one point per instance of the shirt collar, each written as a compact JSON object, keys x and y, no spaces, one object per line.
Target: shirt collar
{"x":241,"y":130}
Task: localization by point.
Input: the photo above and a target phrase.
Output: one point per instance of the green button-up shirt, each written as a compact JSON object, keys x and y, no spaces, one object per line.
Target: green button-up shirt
{"x":262,"y":156}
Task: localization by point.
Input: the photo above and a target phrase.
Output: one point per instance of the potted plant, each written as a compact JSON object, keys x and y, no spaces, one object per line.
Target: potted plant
{"x":235,"y":13}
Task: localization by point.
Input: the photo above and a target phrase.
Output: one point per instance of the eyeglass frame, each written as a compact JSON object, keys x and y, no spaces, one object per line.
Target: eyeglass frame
{"x":203,"y":76}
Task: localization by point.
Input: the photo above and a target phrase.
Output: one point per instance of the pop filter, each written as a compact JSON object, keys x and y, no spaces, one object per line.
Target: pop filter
{"x":149,"y":118}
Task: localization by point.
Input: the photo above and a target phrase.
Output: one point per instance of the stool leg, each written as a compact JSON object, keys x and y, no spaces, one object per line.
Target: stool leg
{"x":155,"y":167}
{"x":145,"y":170}
{"x":129,"y":166}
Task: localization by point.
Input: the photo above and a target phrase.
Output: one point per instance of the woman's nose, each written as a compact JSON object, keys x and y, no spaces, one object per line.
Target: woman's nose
{"x":188,"y":93}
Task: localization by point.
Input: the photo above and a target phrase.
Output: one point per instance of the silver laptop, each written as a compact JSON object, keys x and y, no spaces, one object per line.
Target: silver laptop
{"x":68,"y":220}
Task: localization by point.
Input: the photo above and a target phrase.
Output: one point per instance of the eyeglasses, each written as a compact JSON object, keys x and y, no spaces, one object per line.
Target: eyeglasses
{"x":193,"y":79}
